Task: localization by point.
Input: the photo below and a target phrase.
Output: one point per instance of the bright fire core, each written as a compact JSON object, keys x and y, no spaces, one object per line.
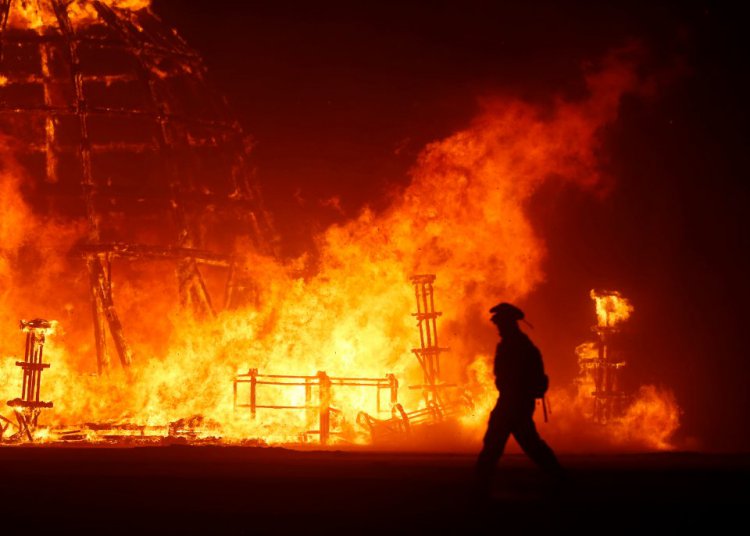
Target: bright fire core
{"x":344,"y":311}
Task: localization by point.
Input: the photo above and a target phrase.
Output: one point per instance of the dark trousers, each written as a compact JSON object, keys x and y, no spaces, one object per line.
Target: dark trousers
{"x":514,"y":416}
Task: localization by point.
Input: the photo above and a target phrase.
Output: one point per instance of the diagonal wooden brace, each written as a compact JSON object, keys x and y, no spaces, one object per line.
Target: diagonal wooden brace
{"x":193,"y":292}
{"x":104,"y":311}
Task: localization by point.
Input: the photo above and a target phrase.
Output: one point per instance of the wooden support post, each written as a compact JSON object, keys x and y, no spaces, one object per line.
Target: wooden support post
{"x":234,"y":395}
{"x":253,"y":391}
{"x":192,"y":288}
{"x":193,"y":293}
{"x":103,"y":292}
{"x":229,"y":287}
{"x":324,"y":385}
{"x":100,"y":318}
{"x":428,"y":354}
{"x":309,"y":415}
{"x":426,"y":310}
{"x":28,"y":407}
{"x":394,"y":388}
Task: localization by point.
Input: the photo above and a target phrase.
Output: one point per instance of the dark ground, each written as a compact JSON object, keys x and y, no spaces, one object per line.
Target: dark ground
{"x":234,"y":490}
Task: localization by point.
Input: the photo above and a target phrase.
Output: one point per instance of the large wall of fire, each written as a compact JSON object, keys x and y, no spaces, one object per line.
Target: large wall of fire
{"x":129,"y":216}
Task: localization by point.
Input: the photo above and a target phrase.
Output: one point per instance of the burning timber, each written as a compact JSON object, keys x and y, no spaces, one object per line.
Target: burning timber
{"x":28,"y":406}
{"x":600,"y":366}
{"x":326,"y":423}
{"x":397,"y":423}
{"x":128,"y":206}
{"x":118,"y":136}
{"x":317,"y":403}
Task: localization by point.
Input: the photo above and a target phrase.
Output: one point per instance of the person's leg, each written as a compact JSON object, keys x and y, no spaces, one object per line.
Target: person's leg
{"x":534,"y":446}
{"x":498,"y":431}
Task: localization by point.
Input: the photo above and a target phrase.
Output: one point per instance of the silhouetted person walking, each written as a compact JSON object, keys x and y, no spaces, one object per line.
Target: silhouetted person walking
{"x":520,"y":378}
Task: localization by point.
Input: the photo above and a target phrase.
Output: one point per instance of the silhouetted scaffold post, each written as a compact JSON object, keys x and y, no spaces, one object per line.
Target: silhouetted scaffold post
{"x":428,"y":353}
{"x":28,"y":407}
{"x":606,"y":368}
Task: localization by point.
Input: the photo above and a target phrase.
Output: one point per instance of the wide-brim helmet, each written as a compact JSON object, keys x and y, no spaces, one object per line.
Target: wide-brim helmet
{"x":506,"y":312}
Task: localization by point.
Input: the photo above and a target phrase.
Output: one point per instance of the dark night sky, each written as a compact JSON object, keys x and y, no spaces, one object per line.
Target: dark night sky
{"x":340,"y":98}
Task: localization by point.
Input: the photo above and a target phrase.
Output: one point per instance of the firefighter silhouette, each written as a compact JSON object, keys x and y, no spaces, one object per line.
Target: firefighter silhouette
{"x":520,"y":378}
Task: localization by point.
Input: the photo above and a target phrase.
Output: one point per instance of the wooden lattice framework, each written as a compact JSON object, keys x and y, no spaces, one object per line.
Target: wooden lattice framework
{"x":112,"y":117}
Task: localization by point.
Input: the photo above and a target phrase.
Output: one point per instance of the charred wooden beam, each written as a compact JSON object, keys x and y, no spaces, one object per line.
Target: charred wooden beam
{"x":157,"y":51}
{"x":4,"y":10}
{"x":193,"y":291}
{"x":28,"y":406}
{"x":230,"y":286}
{"x":87,"y":180}
{"x":147,"y":252}
{"x":428,"y":353}
{"x":99,"y":315}
{"x":102,"y":290}
{"x":192,"y":288}
{"x":323,"y":409}
{"x":229,"y":128}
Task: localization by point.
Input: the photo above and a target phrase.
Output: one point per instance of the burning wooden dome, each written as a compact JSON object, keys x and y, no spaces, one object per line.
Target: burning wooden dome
{"x":107,"y":112}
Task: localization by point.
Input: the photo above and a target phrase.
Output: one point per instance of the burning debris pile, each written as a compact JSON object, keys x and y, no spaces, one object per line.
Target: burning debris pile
{"x":126,"y":198}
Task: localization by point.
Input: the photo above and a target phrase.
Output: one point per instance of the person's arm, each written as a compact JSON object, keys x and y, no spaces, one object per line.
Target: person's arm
{"x":537,"y":380}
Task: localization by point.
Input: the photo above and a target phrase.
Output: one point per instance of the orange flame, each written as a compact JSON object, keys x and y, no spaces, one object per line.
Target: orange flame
{"x":611,"y":307}
{"x":40,"y":14}
{"x":651,"y":416}
{"x":462,"y":216}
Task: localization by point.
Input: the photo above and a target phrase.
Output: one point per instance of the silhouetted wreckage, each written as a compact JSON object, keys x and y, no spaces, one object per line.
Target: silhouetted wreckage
{"x":28,"y":406}
{"x":604,"y":368}
{"x":318,"y":391}
{"x":109,"y":115}
{"x":441,"y":401}
{"x":254,"y":391}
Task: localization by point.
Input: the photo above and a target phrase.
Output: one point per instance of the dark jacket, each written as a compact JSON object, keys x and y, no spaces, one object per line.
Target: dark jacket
{"x":519,"y":371}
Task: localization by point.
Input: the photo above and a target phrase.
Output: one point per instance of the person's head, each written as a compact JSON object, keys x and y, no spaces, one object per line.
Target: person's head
{"x":506,"y":316}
